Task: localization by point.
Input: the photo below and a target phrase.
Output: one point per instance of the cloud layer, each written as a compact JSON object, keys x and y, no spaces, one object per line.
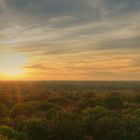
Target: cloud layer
{"x":74,"y":39}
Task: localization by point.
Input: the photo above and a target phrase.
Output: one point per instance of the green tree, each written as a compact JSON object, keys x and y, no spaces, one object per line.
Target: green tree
{"x":11,"y":134}
{"x":36,"y":129}
{"x":3,"y":110}
{"x":113,"y":101}
{"x":67,"y":126}
{"x":91,"y":116}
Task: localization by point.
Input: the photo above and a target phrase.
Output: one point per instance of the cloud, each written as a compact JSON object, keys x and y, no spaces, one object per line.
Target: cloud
{"x":35,"y":66}
{"x":82,"y":36}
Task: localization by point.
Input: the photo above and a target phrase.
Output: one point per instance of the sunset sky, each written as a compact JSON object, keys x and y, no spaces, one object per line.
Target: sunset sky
{"x":70,"y":39}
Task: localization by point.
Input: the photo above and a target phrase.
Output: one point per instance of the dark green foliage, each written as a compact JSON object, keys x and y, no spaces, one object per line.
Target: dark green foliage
{"x":70,"y":111}
{"x":23,"y":109}
{"x":3,"y":110}
{"x":36,"y":129}
{"x":93,"y":115}
{"x":10,"y":133}
{"x":136,"y":99}
{"x":113,"y":101}
{"x":84,"y":103}
{"x":67,"y":126}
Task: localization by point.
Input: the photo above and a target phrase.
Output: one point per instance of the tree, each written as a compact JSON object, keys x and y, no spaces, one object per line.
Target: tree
{"x":113,"y":101}
{"x":10,"y":133}
{"x":36,"y":129}
{"x":3,"y":110}
{"x":67,"y":126}
{"x":91,"y":116}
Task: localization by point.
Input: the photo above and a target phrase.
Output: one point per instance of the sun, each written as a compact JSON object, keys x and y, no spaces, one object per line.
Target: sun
{"x":11,"y":64}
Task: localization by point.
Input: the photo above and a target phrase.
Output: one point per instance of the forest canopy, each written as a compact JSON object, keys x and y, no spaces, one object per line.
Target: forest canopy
{"x":70,"y":110}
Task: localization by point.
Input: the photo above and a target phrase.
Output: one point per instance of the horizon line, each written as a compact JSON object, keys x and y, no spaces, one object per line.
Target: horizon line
{"x":69,"y":80}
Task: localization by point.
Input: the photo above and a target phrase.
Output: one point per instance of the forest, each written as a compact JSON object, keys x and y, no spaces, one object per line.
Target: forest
{"x":68,"y":110}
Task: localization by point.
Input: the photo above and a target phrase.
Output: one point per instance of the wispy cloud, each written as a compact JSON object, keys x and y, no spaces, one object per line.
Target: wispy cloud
{"x":67,"y":37}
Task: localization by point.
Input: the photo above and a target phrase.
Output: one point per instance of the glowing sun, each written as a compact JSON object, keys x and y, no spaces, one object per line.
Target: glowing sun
{"x":12,"y":64}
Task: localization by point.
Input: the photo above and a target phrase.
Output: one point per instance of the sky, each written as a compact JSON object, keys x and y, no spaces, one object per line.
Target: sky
{"x":70,"y":39}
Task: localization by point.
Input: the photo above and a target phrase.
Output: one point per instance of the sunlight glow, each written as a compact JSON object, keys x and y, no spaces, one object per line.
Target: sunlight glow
{"x":11,"y":64}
